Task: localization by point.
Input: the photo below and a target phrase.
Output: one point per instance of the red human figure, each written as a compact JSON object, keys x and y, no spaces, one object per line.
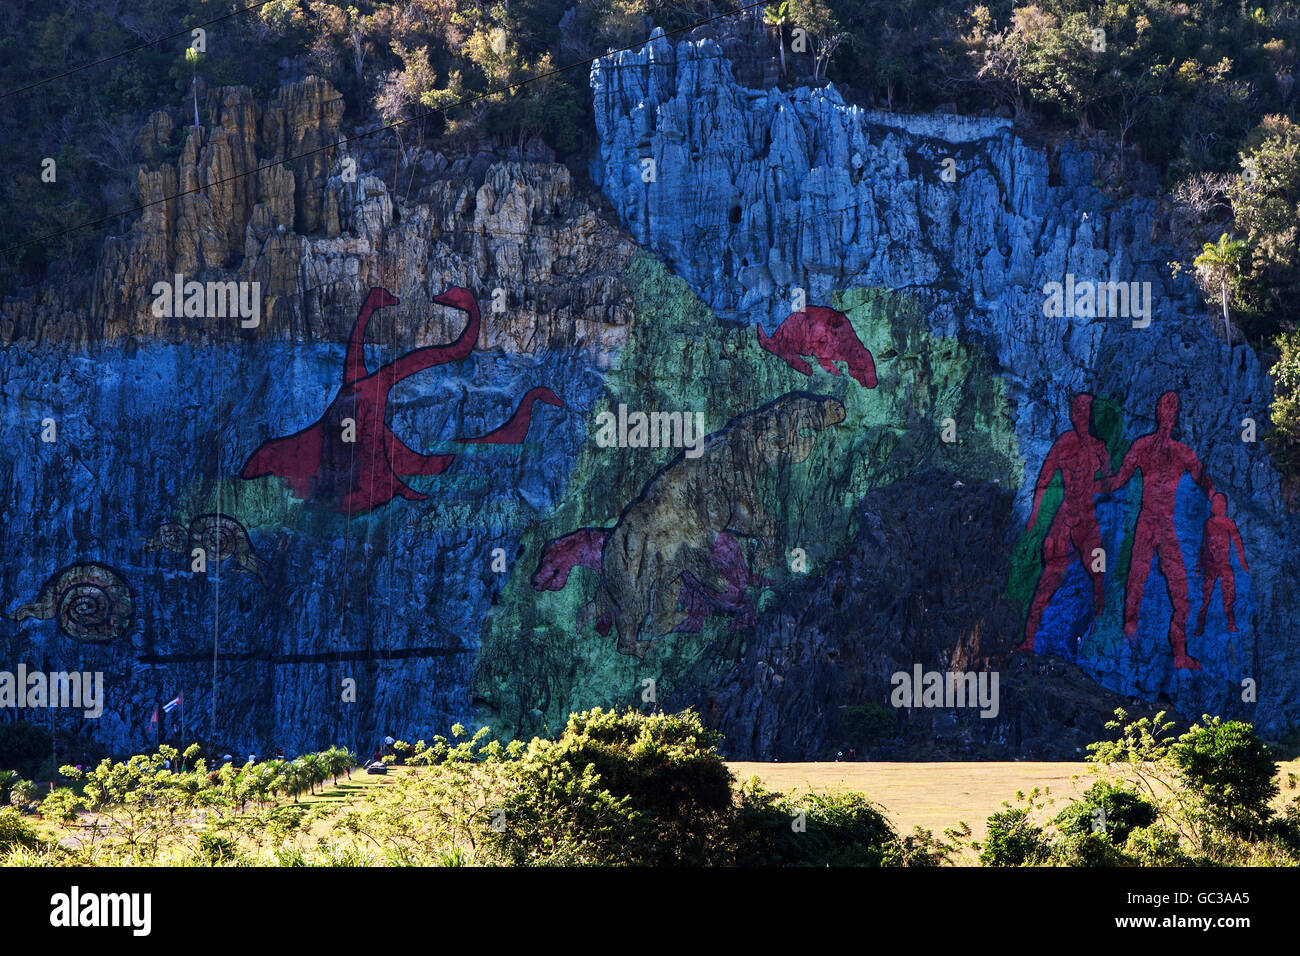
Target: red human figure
{"x":1215,"y":561}
{"x":826,"y":335}
{"x":513,"y":431}
{"x":1078,"y":455}
{"x":1163,"y":461}
{"x":320,"y":464}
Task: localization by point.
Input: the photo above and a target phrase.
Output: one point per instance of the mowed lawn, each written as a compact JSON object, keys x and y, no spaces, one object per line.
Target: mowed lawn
{"x":938,"y":795}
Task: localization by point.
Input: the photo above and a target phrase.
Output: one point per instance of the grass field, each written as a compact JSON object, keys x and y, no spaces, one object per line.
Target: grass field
{"x":938,"y":795}
{"x":930,"y":795}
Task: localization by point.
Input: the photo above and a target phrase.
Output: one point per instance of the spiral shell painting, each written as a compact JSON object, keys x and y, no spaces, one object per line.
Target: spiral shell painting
{"x":220,"y":536}
{"x":90,"y":601}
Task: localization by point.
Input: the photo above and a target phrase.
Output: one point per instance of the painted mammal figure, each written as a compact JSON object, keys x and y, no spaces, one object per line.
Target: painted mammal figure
{"x":667,"y":539}
{"x":825,"y":334}
{"x":584,"y":548}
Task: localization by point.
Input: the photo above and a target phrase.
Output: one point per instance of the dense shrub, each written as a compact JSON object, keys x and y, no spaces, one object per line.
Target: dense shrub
{"x":1109,"y":809}
{"x":836,"y":829}
{"x":16,"y":832}
{"x":1013,"y":840}
{"x":620,"y":787}
{"x":1231,"y":770}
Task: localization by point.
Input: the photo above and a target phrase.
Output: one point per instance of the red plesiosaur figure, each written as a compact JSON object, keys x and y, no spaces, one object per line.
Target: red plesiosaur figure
{"x":514,"y":430}
{"x":320,"y":465}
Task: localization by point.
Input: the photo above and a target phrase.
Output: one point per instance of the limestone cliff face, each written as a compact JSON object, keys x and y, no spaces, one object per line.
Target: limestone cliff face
{"x":478,"y":588}
{"x":316,"y":237}
{"x":921,"y":584}
{"x":752,"y":195}
{"x":156,"y":416}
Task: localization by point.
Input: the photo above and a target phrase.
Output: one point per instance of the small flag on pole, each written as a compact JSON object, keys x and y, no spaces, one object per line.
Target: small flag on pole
{"x":172,"y":705}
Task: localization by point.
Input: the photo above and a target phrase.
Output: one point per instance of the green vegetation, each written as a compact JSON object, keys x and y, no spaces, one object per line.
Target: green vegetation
{"x":151,"y":809}
{"x":631,"y":789}
{"x":1202,"y":799}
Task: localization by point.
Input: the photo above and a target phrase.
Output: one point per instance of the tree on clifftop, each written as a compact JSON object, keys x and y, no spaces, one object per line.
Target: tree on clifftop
{"x":1219,"y":266}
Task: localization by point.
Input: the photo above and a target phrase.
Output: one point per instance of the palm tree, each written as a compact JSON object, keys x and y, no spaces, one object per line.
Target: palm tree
{"x":778,"y":15}
{"x":7,"y":780}
{"x":310,"y":764}
{"x":1221,"y":262}
{"x":338,"y":760}
{"x":192,"y":58}
{"x":277,"y":780}
{"x":24,"y":794}
{"x":316,"y":770}
{"x":295,"y":775}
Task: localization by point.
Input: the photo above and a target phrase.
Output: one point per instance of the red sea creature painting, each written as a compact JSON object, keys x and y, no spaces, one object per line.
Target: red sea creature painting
{"x":349,"y":458}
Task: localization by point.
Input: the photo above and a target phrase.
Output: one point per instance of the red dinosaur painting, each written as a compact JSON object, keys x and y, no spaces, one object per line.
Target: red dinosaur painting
{"x":583,"y":548}
{"x":826,"y":335}
{"x":513,"y":431}
{"x":349,"y":458}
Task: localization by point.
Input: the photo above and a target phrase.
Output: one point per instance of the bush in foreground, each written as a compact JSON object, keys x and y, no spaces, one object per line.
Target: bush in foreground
{"x":1202,"y":799}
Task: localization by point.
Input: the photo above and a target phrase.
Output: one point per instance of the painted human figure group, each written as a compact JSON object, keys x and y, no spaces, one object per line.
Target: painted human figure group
{"x":1085,"y":468}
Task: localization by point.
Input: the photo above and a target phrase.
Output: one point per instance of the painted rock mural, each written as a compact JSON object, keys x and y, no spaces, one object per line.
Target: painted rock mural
{"x":796,"y":417}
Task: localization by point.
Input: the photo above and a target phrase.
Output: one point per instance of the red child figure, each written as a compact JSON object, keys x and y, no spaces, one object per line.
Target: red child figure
{"x":1215,"y":562}
{"x":1080,"y":457}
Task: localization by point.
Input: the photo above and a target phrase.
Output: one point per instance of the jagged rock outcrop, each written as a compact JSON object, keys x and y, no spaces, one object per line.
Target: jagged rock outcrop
{"x":316,"y":236}
{"x":752,"y":196}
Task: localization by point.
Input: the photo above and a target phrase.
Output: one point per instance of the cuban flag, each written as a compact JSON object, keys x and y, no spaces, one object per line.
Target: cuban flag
{"x":169,"y":707}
